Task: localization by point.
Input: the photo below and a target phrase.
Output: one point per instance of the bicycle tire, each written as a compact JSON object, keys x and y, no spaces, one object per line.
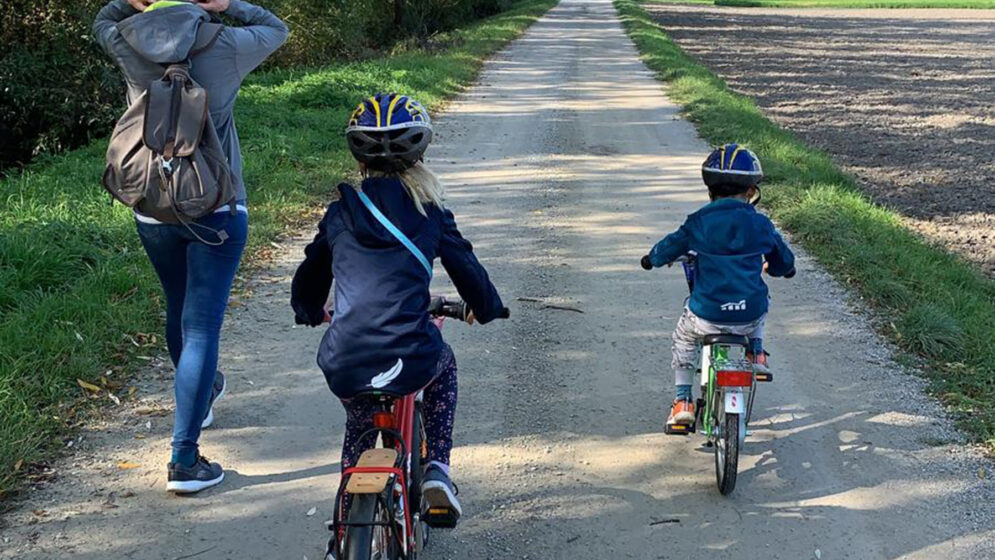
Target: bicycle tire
{"x":358,"y":540}
{"x":727,"y":453}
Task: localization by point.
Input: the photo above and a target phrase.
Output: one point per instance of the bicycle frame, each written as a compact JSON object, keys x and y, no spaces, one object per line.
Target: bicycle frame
{"x":398,"y":437}
{"x":736,"y":399}
{"x":733,"y":399}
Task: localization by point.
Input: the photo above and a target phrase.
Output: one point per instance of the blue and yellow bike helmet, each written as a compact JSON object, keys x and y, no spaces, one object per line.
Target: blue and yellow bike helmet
{"x":389,"y":132}
{"x":732,"y":166}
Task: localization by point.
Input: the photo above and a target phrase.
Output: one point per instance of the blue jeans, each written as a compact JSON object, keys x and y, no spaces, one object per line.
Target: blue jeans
{"x":196,"y":278}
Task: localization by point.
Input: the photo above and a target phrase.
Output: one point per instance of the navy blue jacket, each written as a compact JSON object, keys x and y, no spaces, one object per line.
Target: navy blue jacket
{"x":732,"y":240}
{"x":381,"y":336}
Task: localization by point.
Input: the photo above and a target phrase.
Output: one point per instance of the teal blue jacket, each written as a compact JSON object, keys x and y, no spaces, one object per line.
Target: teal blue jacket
{"x":732,"y":241}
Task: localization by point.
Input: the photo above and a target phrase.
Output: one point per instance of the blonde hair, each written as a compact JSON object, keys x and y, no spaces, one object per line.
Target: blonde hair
{"x":423,"y":186}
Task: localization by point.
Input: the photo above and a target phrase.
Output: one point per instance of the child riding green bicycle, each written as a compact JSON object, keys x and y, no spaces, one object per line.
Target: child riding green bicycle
{"x":734,"y":244}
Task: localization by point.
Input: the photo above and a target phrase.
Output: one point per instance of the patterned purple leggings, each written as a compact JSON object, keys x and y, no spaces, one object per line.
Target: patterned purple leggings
{"x":438,"y":410}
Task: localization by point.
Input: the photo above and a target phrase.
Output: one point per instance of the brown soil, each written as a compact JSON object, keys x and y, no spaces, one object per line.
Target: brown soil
{"x":902,"y":99}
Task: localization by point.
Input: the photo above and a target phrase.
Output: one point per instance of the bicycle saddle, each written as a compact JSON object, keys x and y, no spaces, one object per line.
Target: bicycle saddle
{"x":739,"y":340}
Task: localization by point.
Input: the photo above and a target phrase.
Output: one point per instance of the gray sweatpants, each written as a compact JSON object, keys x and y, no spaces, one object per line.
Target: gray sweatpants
{"x":687,"y":341}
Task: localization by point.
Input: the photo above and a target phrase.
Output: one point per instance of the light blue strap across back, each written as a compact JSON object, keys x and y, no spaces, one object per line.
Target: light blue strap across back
{"x":396,"y":232}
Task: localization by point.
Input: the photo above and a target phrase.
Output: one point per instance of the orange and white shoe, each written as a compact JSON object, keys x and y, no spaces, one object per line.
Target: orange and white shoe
{"x":759,"y":362}
{"x":682,"y":413}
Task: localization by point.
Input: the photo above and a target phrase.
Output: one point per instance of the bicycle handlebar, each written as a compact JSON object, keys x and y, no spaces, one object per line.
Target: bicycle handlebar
{"x":456,"y":309}
{"x":647,"y":265}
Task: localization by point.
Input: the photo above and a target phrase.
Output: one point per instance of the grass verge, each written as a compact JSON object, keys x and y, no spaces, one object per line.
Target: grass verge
{"x":77,"y":295}
{"x":870,"y":4}
{"x":935,"y":305}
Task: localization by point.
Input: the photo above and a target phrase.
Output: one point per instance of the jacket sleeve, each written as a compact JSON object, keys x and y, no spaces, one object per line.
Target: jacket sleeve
{"x":105,"y":26}
{"x":261,"y":35}
{"x":313,"y":279}
{"x":671,"y":247}
{"x":467,"y":274}
{"x":780,"y":259}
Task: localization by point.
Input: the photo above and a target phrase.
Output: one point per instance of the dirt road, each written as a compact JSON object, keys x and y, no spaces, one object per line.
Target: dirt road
{"x":901,"y":98}
{"x":565,"y":163}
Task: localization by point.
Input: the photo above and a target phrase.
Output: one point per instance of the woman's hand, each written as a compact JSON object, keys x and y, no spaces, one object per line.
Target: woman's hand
{"x":216,"y":6}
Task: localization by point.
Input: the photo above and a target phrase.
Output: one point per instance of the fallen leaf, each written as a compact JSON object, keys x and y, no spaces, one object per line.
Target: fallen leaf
{"x":312,"y":511}
{"x":139,"y":436}
{"x":982,"y":473}
{"x":79,"y":337}
{"x":18,"y":465}
{"x":116,"y":400}
{"x":88,"y":386}
{"x":131,"y":390}
{"x":126,"y":466}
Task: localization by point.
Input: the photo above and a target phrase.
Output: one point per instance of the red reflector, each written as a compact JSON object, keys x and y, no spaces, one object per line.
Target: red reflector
{"x":383,"y":420}
{"x":733,"y":378}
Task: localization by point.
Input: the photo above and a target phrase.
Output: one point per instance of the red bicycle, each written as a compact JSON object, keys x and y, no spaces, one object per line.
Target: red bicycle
{"x":386,"y":520}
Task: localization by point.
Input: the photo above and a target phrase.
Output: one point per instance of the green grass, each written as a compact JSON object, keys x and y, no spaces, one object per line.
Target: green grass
{"x":934,"y":304}
{"x":76,"y":291}
{"x":983,"y":4}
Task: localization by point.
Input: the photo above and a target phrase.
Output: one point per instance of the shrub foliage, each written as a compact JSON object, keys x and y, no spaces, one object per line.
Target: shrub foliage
{"x":58,"y":90}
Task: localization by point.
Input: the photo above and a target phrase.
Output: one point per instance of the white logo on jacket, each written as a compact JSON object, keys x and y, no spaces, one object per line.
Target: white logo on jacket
{"x":734,"y":306}
{"x":383,"y":379}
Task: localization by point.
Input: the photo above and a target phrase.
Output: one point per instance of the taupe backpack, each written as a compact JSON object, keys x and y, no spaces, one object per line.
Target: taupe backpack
{"x":164,"y":157}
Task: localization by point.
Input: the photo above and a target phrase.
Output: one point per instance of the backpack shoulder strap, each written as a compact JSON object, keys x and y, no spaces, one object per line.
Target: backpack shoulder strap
{"x":396,"y":232}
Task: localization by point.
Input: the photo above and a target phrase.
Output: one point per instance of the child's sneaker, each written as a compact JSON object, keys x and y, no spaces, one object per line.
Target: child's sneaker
{"x":759,"y":362}
{"x":439,"y":499}
{"x":682,"y":413}
{"x":187,"y":480}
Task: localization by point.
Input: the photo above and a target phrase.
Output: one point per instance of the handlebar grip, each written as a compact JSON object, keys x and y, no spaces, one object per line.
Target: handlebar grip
{"x":505,"y":313}
{"x":645,"y":263}
{"x":790,"y":273}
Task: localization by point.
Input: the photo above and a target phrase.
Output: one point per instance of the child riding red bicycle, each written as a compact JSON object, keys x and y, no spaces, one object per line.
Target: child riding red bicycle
{"x":377,"y":241}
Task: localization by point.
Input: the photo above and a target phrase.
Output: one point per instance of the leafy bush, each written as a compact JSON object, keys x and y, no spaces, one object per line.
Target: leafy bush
{"x":58,"y":89}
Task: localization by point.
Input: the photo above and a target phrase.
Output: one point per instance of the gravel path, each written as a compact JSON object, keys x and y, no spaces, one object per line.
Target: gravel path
{"x":901,"y":98}
{"x":565,"y":163}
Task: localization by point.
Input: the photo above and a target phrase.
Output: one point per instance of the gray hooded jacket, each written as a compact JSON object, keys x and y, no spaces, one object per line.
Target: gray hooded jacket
{"x":141,"y":44}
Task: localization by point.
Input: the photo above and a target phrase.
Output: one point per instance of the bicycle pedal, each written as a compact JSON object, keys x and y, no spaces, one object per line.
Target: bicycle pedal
{"x":764,"y":377}
{"x":441,"y":517}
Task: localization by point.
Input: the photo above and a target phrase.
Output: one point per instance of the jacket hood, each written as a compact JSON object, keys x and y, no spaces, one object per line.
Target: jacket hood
{"x":728,"y":203}
{"x":165,"y":35}
{"x":391,"y":198}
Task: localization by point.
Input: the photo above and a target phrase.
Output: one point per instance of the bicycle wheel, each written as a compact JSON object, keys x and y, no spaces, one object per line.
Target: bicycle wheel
{"x":727,"y":452}
{"x":368,"y":541}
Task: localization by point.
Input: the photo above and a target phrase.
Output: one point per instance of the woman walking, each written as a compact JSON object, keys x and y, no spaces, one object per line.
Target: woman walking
{"x":196,"y":274}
